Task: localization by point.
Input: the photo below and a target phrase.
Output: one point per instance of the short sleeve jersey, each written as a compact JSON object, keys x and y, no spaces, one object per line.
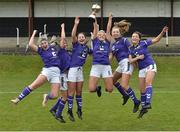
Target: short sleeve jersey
{"x":49,"y":57}
{"x":120,"y":48}
{"x":142,"y":48}
{"x":79,"y":54}
{"x":100,"y":51}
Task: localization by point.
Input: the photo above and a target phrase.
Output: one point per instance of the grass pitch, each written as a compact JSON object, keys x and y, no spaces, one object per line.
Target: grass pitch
{"x":105,"y":113}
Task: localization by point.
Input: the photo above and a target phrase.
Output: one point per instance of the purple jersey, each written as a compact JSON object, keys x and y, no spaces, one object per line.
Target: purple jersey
{"x":120,"y":48}
{"x":79,"y":54}
{"x":100,"y":51}
{"x":142,"y":48}
{"x":64,"y":60}
{"x":49,"y":57}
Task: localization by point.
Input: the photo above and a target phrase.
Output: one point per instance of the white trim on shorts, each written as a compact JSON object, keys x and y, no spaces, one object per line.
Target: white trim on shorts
{"x":75,"y":74}
{"x":63,"y":79}
{"x":125,"y":67}
{"x":142,"y":72}
{"x":52,"y":74}
{"x":103,"y":71}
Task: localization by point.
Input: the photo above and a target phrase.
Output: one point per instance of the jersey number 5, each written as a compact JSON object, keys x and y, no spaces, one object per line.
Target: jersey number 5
{"x":54,"y":54}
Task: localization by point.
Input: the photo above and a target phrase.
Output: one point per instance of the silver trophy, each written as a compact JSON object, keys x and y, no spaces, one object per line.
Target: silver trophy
{"x":95,"y":9}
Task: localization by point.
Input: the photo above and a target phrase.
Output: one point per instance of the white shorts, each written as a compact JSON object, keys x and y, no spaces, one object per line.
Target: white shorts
{"x":75,"y":74}
{"x":125,"y":67}
{"x":52,"y":74}
{"x":103,"y":71}
{"x":142,"y":72}
{"x":63,"y":79}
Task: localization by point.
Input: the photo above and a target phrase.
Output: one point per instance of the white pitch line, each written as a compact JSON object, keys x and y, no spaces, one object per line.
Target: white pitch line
{"x":86,"y":92}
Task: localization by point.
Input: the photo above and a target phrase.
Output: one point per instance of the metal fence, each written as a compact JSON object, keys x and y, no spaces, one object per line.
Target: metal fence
{"x":10,"y":45}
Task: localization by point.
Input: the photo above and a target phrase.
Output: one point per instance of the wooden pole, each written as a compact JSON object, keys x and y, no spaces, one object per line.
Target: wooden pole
{"x":30,"y":17}
{"x":172,"y":18}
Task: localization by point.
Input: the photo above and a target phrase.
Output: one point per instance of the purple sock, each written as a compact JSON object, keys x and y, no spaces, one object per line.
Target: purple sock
{"x":70,"y":103}
{"x":60,"y":108}
{"x":132,"y":95}
{"x":148,"y":94}
{"x":143,"y":99}
{"x":24,"y":93}
{"x":54,"y":108}
{"x":79,"y":102}
{"x":120,"y":89}
{"x":50,"y":96}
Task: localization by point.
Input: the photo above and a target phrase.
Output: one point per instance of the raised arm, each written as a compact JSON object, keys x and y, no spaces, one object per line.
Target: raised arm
{"x":63,"y":35}
{"x":74,"y":30}
{"x":95,"y":28}
{"x":32,"y":44}
{"x":158,"y":38}
{"x":108,"y":30}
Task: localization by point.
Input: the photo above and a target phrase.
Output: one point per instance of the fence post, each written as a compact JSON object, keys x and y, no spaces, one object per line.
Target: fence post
{"x":17,"y":35}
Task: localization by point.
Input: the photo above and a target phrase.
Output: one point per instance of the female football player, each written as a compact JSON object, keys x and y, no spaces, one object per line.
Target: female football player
{"x":100,"y":66}
{"x":50,"y":72}
{"x":64,"y":56}
{"x":147,"y":67}
{"x":75,"y":75}
{"x":124,"y":70}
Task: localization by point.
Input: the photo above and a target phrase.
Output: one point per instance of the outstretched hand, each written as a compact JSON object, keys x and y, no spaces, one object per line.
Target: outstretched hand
{"x":34,"y":32}
{"x":110,"y":15}
{"x":62,"y":25}
{"x":76,"y":21}
{"x":165,"y":29}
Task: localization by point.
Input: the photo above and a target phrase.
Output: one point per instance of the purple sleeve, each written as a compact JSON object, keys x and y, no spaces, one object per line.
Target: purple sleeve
{"x":130,"y":50}
{"x":130,"y":53}
{"x":39,"y":50}
{"x":148,"y":42}
{"x":94,"y":41}
{"x":127,"y":43}
{"x":75,"y":44}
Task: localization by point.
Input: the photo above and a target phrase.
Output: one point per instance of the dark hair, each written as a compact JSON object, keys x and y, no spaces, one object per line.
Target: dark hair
{"x":139,"y":34}
{"x":82,"y":33}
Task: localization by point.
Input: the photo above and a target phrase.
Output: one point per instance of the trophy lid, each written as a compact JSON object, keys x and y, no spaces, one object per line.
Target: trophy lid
{"x":96,"y":6}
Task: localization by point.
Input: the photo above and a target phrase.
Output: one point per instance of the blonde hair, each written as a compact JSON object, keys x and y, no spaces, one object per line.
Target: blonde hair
{"x":53,"y":39}
{"x":101,"y":31}
{"x":123,"y":26}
